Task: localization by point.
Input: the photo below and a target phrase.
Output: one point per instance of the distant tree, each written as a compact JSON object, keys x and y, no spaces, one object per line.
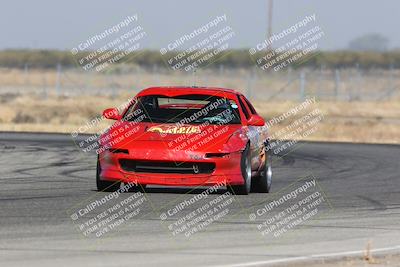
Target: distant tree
{"x":369,"y":42}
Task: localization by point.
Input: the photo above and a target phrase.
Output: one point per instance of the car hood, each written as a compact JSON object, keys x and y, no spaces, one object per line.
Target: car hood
{"x":172,"y":136}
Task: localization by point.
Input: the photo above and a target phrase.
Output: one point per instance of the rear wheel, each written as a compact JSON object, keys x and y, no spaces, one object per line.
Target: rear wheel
{"x":245,"y":165}
{"x":262,"y":183}
{"x":106,"y":186}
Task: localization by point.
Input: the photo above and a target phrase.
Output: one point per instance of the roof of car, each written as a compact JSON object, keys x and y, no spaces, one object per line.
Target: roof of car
{"x":185,"y":90}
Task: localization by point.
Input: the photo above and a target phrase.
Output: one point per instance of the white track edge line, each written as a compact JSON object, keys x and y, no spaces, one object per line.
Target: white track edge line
{"x":308,"y":257}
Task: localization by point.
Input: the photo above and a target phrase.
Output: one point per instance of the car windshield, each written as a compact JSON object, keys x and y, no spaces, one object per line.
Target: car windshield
{"x":186,"y":109}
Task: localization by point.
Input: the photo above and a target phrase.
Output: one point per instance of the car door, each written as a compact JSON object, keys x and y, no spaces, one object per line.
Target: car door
{"x":254,"y":134}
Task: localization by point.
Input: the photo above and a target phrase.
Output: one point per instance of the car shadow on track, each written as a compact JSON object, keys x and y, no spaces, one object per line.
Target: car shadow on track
{"x":176,"y":190}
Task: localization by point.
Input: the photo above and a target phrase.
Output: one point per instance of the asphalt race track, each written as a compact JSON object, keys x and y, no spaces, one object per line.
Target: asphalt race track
{"x":45,"y":179}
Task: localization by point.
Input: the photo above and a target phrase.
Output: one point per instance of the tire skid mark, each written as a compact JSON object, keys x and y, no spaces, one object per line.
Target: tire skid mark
{"x":375,"y":203}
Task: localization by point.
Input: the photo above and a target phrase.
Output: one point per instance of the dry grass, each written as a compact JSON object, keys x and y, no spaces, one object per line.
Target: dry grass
{"x":369,"y":122}
{"x":365,"y":122}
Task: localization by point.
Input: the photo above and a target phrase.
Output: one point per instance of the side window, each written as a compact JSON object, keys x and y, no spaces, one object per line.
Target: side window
{"x":252,"y":109}
{"x":244,"y":108}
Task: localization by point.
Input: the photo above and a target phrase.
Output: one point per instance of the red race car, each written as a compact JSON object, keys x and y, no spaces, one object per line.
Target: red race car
{"x":185,"y":136}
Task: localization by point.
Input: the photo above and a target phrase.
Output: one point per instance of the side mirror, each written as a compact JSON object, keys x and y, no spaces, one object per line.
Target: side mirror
{"x":256,"y":120}
{"x":111,"y":113}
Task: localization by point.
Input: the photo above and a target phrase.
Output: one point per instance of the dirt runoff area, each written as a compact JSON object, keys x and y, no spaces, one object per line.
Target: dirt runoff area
{"x":375,"y":261}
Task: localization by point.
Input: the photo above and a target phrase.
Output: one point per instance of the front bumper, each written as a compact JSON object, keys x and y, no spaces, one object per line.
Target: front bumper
{"x":227,"y":168}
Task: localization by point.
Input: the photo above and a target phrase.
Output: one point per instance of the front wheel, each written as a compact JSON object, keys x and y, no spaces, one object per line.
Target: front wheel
{"x":262,"y":183}
{"x":245,"y":165}
{"x":106,"y":186}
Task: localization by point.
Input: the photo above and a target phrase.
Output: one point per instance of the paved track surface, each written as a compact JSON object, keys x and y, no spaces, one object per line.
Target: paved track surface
{"x":45,"y":179}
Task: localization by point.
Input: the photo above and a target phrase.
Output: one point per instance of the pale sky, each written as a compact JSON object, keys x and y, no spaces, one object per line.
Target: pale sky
{"x":62,"y":25}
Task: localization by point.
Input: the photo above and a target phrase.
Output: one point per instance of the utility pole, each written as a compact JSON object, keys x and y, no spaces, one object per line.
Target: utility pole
{"x":58,"y":80}
{"x":269,"y":32}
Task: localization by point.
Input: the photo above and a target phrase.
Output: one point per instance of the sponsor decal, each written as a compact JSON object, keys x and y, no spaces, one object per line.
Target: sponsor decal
{"x":172,"y":129}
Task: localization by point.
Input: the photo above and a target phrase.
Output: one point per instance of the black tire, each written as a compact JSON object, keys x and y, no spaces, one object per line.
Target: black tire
{"x":262,"y":183}
{"x":245,"y":165}
{"x":105,"y":186}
